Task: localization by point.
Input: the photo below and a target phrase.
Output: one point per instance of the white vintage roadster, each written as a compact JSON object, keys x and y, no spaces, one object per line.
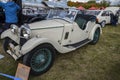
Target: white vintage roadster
{"x":37,"y":42}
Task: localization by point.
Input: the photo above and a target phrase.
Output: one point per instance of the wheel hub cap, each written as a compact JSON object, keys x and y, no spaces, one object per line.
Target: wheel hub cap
{"x":40,"y":59}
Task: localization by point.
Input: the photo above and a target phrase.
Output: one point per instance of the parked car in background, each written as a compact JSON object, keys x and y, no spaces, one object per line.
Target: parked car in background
{"x":62,"y":32}
{"x":103,"y":16}
{"x":116,"y":11}
{"x":118,"y":14}
{"x":113,"y":9}
{"x":32,"y":14}
{"x":28,"y":14}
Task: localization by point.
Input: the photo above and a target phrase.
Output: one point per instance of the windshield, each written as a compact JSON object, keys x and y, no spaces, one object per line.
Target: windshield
{"x":63,"y":14}
{"x":90,"y":12}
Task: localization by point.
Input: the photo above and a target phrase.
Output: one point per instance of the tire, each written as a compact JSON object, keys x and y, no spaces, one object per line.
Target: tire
{"x":96,"y":36}
{"x":40,"y":59}
{"x":6,"y":44}
{"x":103,"y":24}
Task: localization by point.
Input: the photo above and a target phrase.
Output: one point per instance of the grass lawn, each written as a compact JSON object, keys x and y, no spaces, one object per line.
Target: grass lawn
{"x":90,"y":62}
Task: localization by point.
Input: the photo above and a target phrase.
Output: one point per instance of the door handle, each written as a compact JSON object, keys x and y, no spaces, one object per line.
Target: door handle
{"x":66,"y":35}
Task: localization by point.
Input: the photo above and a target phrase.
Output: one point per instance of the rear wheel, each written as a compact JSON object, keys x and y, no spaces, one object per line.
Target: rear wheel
{"x":40,"y":59}
{"x":96,"y":36}
{"x":103,"y":24}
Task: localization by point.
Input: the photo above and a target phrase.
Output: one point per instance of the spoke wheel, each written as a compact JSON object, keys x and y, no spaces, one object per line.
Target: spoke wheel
{"x":40,"y":59}
{"x":96,"y":36}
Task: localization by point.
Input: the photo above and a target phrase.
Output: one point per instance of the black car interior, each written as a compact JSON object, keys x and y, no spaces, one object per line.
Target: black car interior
{"x":82,"y":20}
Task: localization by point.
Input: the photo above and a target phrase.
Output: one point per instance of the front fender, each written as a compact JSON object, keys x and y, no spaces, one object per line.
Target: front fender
{"x":10,"y":35}
{"x":91,"y":36}
{"x":34,"y":42}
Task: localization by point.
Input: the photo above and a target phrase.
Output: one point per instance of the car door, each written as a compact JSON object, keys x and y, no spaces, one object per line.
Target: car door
{"x":104,"y":16}
{"x":79,"y":32}
{"x":67,"y":31}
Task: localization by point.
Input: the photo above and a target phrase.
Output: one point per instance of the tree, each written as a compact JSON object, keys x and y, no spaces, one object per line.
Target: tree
{"x":91,"y":1}
{"x":105,"y":3}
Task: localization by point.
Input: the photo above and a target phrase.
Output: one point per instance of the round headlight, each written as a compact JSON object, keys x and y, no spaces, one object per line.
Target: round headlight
{"x":14,"y":28}
{"x":25,"y":32}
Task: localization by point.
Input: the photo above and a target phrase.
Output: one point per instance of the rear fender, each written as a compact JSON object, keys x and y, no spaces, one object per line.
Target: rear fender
{"x":91,"y":36}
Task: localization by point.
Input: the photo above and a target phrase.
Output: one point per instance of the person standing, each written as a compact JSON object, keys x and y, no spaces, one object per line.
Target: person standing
{"x":10,"y":8}
{"x":117,"y":16}
{"x":112,"y":21}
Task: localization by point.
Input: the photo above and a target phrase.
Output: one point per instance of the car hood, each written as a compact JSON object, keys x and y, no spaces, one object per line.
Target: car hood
{"x":47,"y":24}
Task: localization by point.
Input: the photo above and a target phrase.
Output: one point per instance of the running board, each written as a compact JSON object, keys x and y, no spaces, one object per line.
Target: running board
{"x":79,"y":44}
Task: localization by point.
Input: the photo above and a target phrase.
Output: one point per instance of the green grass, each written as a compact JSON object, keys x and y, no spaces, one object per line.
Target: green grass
{"x":90,"y":62}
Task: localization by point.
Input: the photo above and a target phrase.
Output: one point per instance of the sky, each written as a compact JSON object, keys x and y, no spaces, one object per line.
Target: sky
{"x":115,"y":1}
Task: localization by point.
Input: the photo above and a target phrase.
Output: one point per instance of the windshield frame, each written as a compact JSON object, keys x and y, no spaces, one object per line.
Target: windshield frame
{"x":66,"y":18}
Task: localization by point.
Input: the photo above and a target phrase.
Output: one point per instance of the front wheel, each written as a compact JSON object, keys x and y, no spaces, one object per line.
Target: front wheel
{"x":96,"y":36}
{"x":40,"y":59}
{"x":6,"y":44}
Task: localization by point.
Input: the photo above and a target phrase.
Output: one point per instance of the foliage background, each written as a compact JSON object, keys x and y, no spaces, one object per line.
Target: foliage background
{"x":88,"y":4}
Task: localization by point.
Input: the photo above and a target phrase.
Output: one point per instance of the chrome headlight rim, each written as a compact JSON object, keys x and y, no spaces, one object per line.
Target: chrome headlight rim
{"x":25,"y":31}
{"x":14,"y":28}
